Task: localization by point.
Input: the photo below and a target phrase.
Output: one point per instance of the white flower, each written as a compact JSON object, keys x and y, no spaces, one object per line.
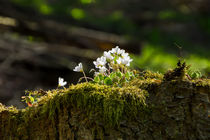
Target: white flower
{"x":96,"y":73}
{"x":78,"y":68}
{"x":119,"y":60}
{"x":102,"y":70}
{"x":125,"y":61}
{"x":121,"y":51}
{"x":117,"y":50}
{"x":100,"y":62}
{"x":108,"y":55}
{"x":124,"y":55}
{"x":61,"y":82}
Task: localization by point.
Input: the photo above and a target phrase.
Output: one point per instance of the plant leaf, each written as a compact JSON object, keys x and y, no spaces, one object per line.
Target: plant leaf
{"x":119,"y":74}
{"x":96,"y":79}
{"x":108,"y":81}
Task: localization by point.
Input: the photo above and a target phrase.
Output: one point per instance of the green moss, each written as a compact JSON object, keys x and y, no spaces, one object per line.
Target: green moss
{"x":151,"y":75}
{"x":2,"y":107}
{"x":112,"y":103}
{"x":179,"y":73}
{"x":202,"y":82}
{"x":108,"y":104}
{"x":10,"y":109}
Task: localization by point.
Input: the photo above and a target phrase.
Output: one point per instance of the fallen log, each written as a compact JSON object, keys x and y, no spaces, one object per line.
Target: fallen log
{"x":145,"y":109}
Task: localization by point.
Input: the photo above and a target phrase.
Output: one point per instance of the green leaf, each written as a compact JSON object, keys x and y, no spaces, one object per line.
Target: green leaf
{"x":122,"y":80}
{"x":115,"y":79}
{"x":96,"y":79}
{"x":108,"y":81}
{"x":127,"y":75}
{"x":112,"y":75}
{"x":195,"y":74}
{"x":119,"y":74}
{"x":31,"y":99}
{"x":101,"y":77}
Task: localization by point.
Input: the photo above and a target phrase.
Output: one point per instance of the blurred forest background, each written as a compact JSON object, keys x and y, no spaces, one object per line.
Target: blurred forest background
{"x":41,"y":40}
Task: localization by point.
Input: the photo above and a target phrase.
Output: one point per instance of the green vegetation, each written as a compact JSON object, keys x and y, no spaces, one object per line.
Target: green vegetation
{"x":140,"y":99}
{"x":118,"y":21}
{"x":155,"y":59}
{"x":111,"y":102}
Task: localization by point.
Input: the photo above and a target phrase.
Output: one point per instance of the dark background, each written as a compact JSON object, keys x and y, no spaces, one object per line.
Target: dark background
{"x":41,"y":40}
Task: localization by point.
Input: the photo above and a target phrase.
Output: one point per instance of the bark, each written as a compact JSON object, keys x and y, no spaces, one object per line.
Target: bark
{"x":175,"y":110}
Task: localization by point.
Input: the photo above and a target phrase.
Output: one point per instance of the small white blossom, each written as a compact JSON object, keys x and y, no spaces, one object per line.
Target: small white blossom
{"x":125,"y":61}
{"x":121,"y":52}
{"x":102,"y":70}
{"x":108,"y":55}
{"x":117,"y":50}
{"x":124,"y":55}
{"x":119,"y":60}
{"x":61,"y":82}
{"x":78,"y":68}
{"x":96,"y":73}
{"x":100,"y":62}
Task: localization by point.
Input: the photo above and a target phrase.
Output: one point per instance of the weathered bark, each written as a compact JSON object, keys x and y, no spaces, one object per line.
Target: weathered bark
{"x":174,"y":110}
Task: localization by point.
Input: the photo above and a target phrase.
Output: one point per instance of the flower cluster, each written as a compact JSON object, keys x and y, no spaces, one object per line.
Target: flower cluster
{"x":111,"y":68}
{"x":110,"y":59}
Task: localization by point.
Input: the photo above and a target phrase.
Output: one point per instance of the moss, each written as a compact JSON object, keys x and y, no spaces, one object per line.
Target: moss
{"x":202,"y":82}
{"x":179,"y":73}
{"x":112,"y":103}
{"x":10,"y":109}
{"x":107,"y":103}
{"x":150,"y":75}
{"x":2,"y":107}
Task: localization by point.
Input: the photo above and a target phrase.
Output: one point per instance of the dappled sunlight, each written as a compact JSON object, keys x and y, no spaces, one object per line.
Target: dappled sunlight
{"x":7,"y":21}
{"x":156,"y":59}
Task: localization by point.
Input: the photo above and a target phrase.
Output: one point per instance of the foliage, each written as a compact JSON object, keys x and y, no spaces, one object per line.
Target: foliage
{"x":88,"y":106}
{"x":168,"y":27}
{"x":194,"y":74}
{"x":155,"y":59}
{"x":32,"y":97}
{"x":115,"y":78}
{"x":113,"y":68}
{"x":111,"y":102}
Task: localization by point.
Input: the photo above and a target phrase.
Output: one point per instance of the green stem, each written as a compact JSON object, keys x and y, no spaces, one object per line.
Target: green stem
{"x":84,"y":76}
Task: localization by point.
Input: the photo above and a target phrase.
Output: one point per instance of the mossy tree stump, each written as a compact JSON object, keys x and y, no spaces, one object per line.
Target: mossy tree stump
{"x":145,"y":109}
